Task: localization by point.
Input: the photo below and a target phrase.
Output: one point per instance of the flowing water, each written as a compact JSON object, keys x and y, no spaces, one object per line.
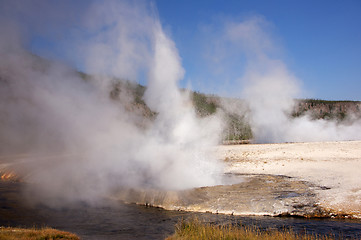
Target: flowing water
{"x":131,"y":221}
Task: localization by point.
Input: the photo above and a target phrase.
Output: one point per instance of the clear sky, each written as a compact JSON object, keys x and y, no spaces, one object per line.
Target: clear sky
{"x":319,"y":41}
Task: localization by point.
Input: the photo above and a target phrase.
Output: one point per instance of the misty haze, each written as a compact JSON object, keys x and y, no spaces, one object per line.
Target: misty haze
{"x":97,"y":108}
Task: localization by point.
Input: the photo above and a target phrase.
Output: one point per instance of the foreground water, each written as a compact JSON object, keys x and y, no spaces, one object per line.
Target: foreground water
{"x":130,"y":221}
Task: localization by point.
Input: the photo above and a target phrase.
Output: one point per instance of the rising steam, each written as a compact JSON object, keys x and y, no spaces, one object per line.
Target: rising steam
{"x":80,"y":144}
{"x":77,"y":143}
{"x":270,"y":89}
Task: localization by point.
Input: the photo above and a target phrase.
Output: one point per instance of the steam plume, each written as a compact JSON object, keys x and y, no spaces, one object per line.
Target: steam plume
{"x":270,"y":88}
{"x":80,"y":143}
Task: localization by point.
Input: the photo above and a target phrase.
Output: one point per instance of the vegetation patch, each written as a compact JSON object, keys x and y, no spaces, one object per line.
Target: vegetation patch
{"x":204,"y":104}
{"x":10,"y":233}
{"x":237,"y":126}
{"x":194,"y":229}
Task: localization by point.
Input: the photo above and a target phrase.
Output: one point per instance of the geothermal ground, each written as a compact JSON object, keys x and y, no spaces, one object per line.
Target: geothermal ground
{"x":315,"y":179}
{"x":331,"y":169}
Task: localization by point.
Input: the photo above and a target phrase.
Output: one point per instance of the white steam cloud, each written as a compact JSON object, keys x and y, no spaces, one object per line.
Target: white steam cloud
{"x":80,"y":144}
{"x":270,"y":88}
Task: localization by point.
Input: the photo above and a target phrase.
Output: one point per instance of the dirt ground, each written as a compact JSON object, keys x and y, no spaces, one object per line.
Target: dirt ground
{"x":271,"y":179}
{"x":335,"y":167}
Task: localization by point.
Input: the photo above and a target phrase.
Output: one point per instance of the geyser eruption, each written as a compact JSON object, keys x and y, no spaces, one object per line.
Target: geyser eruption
{"x":269,"y":93}
{"x":80,"y":144}
{"x":270,"y":89}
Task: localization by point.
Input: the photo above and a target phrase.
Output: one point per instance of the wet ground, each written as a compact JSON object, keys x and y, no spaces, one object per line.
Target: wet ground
{"x":333,"y":167}
{"x":253,"y":194}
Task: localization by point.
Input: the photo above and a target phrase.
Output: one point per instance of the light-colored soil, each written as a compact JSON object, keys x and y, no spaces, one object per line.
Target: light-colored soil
{"x":290,"y":178}
{"x":333,"y":166}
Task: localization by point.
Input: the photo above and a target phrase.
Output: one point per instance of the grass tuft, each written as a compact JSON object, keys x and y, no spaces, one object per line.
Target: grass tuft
{"x":195,"y":230}
{"x":9,"y":233}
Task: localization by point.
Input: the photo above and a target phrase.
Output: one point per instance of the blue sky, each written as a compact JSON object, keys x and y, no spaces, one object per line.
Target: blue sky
{"x":319,"y":41}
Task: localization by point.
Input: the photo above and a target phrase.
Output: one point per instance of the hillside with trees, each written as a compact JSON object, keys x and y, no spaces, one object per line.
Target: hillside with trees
{"x":235,"y":112}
